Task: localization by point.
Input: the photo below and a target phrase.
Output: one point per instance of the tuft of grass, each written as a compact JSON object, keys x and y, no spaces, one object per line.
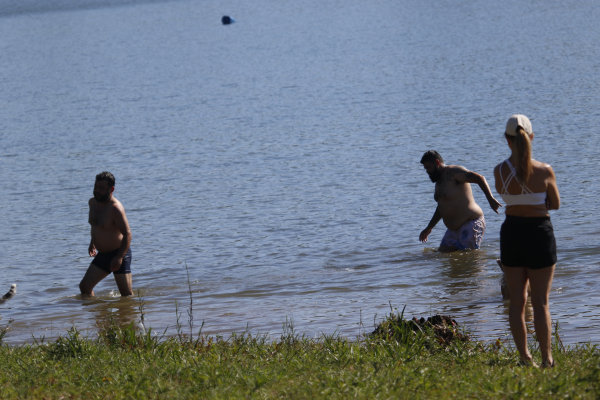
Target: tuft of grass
{"x":427,"y":333}
{"x":73,"y":345}
{"x":4,"y":330}
{"x":126,"y":336}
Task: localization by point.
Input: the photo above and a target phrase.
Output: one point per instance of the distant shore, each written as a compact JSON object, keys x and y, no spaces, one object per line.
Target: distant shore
{"x":16,"y":7}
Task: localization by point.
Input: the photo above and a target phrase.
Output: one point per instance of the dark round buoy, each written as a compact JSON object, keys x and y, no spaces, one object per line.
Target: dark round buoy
{"x":226,"y":20}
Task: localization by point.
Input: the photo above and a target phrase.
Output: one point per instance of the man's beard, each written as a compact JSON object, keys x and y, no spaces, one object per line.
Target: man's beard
{"x":101,"y":198}
{"x":435,"y":175}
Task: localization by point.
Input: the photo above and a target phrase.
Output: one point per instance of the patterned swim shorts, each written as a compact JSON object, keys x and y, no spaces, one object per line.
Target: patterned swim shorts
{"x":468,"y":236}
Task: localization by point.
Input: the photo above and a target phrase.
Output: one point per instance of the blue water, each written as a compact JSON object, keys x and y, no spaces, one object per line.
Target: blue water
{"x":278,"y":157}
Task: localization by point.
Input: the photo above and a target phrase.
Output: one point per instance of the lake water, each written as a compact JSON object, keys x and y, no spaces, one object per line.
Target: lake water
{"x":278,"y":157}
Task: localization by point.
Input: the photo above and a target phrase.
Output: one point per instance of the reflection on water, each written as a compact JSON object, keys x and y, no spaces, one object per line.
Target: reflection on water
{"x":462,"y":270}
{"x":123,"y":310}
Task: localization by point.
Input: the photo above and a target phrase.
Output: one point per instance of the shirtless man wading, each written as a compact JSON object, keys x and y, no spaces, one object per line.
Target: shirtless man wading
{"x":456,"y":206}
{"x":111,"y":238}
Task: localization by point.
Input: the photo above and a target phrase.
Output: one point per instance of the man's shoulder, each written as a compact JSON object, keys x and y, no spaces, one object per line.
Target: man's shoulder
{"x":116,"y":205}
{"x":456,"y":168}
{"x":453,"y":170}
{"x":461,"y":175}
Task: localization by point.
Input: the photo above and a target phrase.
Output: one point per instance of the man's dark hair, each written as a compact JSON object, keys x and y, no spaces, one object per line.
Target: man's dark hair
{"x":106,"y":176}
{"x":431,"y":156}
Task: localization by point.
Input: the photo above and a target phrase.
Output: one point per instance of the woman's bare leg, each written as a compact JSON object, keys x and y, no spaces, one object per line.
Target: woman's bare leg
{"x":504,"y":288}
{"x":516,"y":279}
{"x":541,"y":283}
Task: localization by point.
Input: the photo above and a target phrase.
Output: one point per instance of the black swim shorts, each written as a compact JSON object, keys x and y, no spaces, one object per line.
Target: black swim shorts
{"x":527,"y":242}
{"x":102,"y":261}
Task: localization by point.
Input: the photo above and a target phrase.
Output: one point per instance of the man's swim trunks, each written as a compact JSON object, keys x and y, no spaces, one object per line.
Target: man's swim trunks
{"x":102,"y":261}
{"x":467,"y":237}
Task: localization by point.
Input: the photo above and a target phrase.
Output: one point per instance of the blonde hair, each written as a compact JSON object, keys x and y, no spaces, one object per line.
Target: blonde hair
{"x":522,"y":149}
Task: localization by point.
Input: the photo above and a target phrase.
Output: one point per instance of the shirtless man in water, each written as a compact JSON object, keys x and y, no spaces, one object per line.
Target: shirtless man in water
{"x":456,"y":206}
{"x":111,"y":238}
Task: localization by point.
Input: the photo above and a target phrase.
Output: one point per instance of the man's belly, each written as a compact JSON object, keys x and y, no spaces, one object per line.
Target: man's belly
{"x":106,"y":240}
{"x":454,"y":220}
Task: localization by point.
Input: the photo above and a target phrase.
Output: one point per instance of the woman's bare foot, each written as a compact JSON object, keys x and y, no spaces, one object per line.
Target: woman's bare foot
{"x":528,"y":363}
{"x":549,"y":364}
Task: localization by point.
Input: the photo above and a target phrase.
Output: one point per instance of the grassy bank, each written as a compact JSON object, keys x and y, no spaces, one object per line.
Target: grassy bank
{"x":400,"y":360}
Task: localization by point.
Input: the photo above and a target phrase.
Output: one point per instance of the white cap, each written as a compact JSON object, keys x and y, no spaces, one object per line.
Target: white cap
{"x":518,"y":120}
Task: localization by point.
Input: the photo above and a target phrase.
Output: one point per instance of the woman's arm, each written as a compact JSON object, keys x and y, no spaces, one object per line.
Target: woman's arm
{"x":552,"y":195}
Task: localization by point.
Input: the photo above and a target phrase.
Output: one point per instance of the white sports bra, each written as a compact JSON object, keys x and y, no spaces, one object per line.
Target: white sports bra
{"x":527,"y":197}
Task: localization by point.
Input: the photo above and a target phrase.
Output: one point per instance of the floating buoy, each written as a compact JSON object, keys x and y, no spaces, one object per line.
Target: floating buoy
{"x":227,"y":20}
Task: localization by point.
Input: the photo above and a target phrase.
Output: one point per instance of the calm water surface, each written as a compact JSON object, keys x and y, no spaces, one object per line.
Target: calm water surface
{"x":278,"y":157}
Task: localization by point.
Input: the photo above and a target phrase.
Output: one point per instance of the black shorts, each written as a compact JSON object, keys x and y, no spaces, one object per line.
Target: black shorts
{"x":102,"y":261}
{"x":527,"y":242}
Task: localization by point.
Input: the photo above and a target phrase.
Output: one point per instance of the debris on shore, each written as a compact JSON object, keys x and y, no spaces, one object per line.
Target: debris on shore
{"x":441,"y":327}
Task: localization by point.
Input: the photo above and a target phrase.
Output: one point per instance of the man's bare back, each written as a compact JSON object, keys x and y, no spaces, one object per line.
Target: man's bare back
{"x":456,"y":205}
{"x":105,"y":232}
{"x":111,"y":237}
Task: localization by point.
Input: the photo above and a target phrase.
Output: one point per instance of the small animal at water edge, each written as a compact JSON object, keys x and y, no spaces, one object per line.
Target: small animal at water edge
{"x":10,"y":294}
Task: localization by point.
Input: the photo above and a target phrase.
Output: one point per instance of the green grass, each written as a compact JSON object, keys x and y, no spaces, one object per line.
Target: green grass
{"x":397,"y":361}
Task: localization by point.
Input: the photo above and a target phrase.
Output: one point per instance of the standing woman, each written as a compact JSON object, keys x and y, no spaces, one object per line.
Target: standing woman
{"x":527,"y":244}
